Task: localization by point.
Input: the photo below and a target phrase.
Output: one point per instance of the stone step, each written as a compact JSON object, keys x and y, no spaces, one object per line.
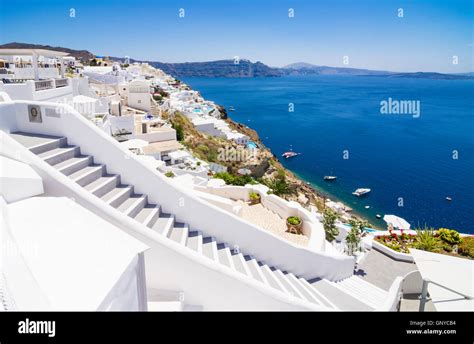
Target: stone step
{"x":74,"y":164}
{"x":57,"y":155}
{"x":209,"y":248}
{"x":225,"y":257}
{"x":117,"y":195}
{"x":179,"y":233}
{"x":103,"y":185}
{"x":133,"y":205}
{"x":163,"y":224}
{"x":195,"y":241}
{"x":148,"y":214}
{"x":88,"y":174}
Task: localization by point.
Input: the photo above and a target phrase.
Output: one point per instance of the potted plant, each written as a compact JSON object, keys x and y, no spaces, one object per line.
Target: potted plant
{"x":254,"y":197}
{"x":169,"y":174}
{"x":294,"y":224}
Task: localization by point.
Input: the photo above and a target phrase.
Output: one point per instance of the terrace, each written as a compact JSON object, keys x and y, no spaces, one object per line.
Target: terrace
{"x":31,"y":79}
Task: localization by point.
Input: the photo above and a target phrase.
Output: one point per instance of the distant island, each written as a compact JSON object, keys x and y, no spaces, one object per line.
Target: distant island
{"x":246,"y":69}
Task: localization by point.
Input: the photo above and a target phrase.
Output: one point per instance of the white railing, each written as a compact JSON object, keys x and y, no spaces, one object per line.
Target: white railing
{"x":424,"y":293}
{"x":43,"y":85}
{"x":61,"y":82}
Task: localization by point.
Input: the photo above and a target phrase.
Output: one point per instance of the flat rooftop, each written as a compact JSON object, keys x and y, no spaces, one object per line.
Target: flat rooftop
{"x":163,"y":146}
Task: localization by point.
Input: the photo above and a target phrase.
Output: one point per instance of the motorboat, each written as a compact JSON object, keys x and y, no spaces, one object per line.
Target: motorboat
{"x":290,"y":154}
{"x":361,"y":191}
{"x":330,"y":177}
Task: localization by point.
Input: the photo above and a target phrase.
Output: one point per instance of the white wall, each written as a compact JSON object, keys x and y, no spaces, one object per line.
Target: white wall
{"x":209,"y":129}
{"x":26,"y":294}
{"x":140,"y":101}
{"x":26,"y":91}
{"x":123,"y":122}
{"x":43,"y":73}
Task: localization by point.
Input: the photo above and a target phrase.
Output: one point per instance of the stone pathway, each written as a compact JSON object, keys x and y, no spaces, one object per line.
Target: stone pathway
{"x":268,"y":220}
{"x":382,"y":270}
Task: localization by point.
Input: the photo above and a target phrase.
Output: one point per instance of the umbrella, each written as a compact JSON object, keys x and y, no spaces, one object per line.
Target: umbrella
{"x":134,"y":143}
{"x":396,"y":222}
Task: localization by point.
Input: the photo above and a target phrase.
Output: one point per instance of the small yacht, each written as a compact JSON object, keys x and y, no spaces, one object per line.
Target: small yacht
{"x":290,"y":154}
{"x":330,"y":177}
{"x":449,"y":199}
{"x":367,"y":207}
{"x":378,"y":216}
{"x":361,"y":191}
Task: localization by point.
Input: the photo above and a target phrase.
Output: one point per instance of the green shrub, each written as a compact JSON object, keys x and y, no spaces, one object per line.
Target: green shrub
{"x":466,"y":248}
{"x":203,"y":148}
{"x":294,"y":220}
{"x":449,"y":236}
{"x":329,"y":223}
{"x":169,"y":174}
{"x":254,"y":196}
{"x":394,"y":245}
{"x":179,"y":131}
{"x":231,"y":179}
{"x":426,"y":240}
{"x":277,"y":186}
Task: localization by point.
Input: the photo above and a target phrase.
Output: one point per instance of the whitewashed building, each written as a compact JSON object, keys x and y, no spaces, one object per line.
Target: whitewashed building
{"x":139,"y":95}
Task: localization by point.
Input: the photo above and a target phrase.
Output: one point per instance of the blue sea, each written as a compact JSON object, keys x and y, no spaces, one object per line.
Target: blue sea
{"x":409,"y":163}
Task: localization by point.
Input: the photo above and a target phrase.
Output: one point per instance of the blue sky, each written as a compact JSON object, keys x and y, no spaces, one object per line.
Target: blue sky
{"x":369,"y":32}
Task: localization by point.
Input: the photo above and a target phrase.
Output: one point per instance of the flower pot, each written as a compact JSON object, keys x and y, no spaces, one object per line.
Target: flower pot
{"x":294,"y":229}
{"x":253,"y":201}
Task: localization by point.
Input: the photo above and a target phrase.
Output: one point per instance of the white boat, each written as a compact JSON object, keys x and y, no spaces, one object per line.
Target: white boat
{"x":361,"y":191}
{"x":289,"y":154}
{"x":330,"y":177}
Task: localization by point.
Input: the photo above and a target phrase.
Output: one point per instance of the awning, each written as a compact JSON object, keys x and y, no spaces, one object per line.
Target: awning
{"x":396,"y":222}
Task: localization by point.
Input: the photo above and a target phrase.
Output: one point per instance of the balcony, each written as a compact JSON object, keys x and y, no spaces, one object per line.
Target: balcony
{"x":41,"y":90}
{"x":43,"y":85}
{"x":61,"y":82}
{"x":49,"y":84}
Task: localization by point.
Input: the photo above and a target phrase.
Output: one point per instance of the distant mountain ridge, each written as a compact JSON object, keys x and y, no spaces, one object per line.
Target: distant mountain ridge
{"x":220,"y":68}
{"x":303,"y":68}
{"x":247,"y":69}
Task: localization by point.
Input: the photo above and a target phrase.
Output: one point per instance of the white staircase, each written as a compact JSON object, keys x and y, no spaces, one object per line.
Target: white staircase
{"x":349,"y":294}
